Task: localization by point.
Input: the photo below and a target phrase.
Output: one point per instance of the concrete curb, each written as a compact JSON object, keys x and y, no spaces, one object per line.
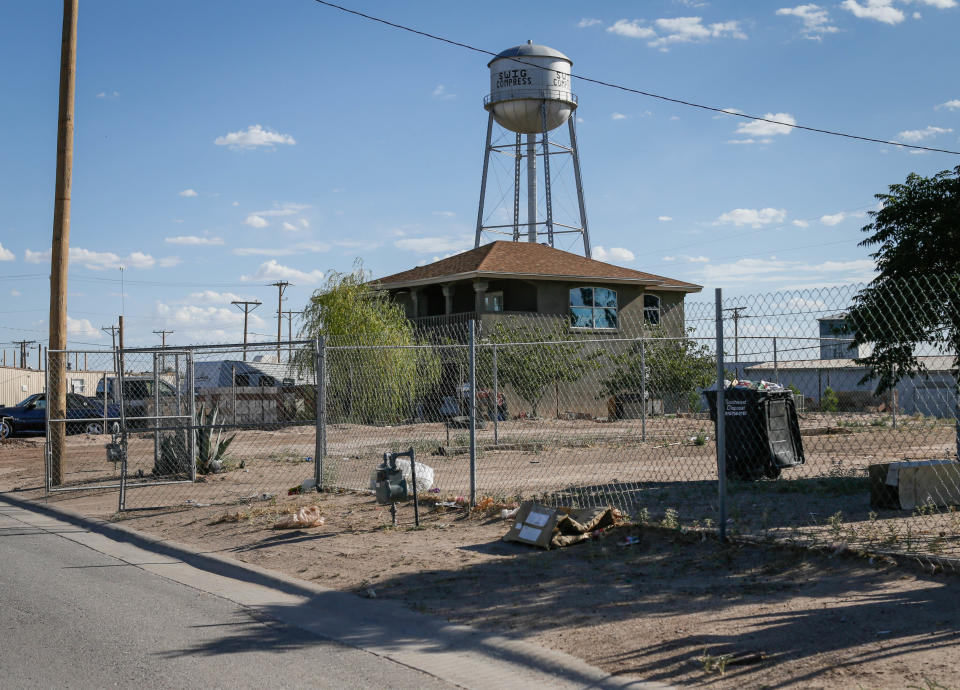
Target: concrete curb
{"x":454,"y":653}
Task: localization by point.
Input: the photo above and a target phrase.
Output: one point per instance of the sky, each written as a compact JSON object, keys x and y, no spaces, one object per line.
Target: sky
{"x":222,"y":146}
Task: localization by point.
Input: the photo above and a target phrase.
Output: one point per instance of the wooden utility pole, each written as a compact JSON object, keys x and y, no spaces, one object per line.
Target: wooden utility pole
{"x":163,"y":337}
{"x":281,"y":285}
{"x":23,"y":351}
{"x":60,"y":249}
{"x":736,"y":331}
{"x":247,"y":306}
{"x":289,"y":315}
{"x":112,"y":330}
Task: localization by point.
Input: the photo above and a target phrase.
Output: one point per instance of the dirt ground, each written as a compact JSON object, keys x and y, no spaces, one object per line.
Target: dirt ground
{"x":657,"y":608}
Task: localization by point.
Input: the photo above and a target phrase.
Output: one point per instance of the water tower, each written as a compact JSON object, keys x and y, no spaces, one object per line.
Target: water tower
{"x":530,"y":95}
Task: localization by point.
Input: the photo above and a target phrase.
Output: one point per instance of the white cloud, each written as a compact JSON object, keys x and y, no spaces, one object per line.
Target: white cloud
{"x":287,"y":225}
{"x":441,"y":94}
{"x":664,"y":219}
{"x":697,"y":259}
{"x":692,"y":30}
{"x":754,"y":217}
{"x":187,"y":193}
{"x":618,"y":116}
{"x":668,"y":258}
{"x":206,"y":323}
{"x":263,"y":251}
{"x":213,"y":297}
{"x":833,"y":218}
{"x":82,"y":328}
{"x":950,"y":105}
{"x":429,"y":245}
{"x":304,"y":222}
{"x":587,"y":22}
{"x":169,"y":261}
{"x":96,"y":261}
{"x":800,"y":223}
{"x":109,"y":94}
{"x":631,"y":29}
{"x":279,"y":210}
{"x":271,"y":270}
{"x":252,"y":137}
{"x":939,"y":4}
{"x":816,"y":21}
{"x":913,"y":136}
{"x":759,"y":128}
{"x":445,"y":214}
{"x":256,"y":221}
{"x":14,"y":293}
{"x":6,"y":254}
{"x":778,"y":271}
{"x":613,"y":254}
{"x":194,"y":240}
{"x":878,"y":10}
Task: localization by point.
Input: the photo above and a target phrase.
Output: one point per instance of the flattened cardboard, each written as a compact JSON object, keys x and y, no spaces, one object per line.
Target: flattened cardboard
{"x":533,"y":524}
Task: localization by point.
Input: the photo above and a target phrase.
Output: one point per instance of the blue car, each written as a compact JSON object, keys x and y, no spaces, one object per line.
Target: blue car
{"x":29,"y":416}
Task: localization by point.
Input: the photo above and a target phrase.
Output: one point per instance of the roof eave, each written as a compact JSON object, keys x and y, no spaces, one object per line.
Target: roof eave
{"x":470,"y":275}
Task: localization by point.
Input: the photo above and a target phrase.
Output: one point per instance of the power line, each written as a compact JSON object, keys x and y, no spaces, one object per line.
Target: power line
{"x":649,"y":94}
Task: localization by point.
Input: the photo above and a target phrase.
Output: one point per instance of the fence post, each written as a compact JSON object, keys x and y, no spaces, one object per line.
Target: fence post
{"x":473,"y":413}
{"x":643,"y":389}
{"x":721,"y":422}
{"x":47,"y":458}
{"x":191,"y":382}
{"x":156,"y":414}
{"x":496,"y":399}
{"x":233,"y":391}
{"x":776,"y":362}
{"x":320,"y":443}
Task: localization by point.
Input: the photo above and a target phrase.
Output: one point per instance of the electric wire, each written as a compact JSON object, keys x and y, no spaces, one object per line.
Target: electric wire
{"x":640,"y":92}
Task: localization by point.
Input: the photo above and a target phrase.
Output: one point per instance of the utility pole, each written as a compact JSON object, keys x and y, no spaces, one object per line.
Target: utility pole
{"x":23,"y":351}
{"x":60,"y":249}
{"x":289,"y":315}
{"x":736,"y":331}
{"x":281,"y":285}
{"x":247,"y":306}
{"x":112,"y":330}
{"x":163,"y":345}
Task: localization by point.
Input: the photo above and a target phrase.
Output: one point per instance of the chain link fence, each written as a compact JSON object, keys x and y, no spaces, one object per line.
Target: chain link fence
{"x":516,"y":406}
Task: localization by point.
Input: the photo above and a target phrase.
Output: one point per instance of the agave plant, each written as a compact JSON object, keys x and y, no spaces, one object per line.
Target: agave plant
{"x":211,"y":444}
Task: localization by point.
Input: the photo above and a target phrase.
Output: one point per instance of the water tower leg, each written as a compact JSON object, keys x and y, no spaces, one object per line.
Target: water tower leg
{"x":531,"y":188}
{"x":576,"y":173}
{"x":483,"y":179}
{"x":518,"y":158}
{"x":546,"y":173}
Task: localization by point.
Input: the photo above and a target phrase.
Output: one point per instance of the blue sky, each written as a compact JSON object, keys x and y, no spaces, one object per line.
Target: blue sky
{"x":220,"y":146}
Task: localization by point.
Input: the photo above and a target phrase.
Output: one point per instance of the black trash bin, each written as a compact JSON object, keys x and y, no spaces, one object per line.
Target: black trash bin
{"x":762,"y":432}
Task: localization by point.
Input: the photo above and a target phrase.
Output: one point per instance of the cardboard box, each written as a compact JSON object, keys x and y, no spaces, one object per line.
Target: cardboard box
{"x":909,"y":484}
{"x":533,"y":524}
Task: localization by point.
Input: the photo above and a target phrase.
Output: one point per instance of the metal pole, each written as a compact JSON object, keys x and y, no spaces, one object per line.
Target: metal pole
{"x":579,"y":181}
{"x":776,"y":364}
{"x":496,"y":399}
{"x":320,"y":442}
{"x":60,"y":248}
{"x":473,"y":413}
{"x":122,"y":502}
{"x":233,"y":391}
{"x":548,"y":200}
{"x":483,"y":180}
{"x":46,"y":445}
{"x":643,"y":390}
{"x":192,"y":392}
{"x":721,"y":422}
{"x":156,"y":412}
{"x":531,"y":188}
{"x":893,"y":399}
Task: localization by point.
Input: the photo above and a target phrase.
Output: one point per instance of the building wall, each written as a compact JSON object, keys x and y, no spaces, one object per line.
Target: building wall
{"x":16,"y":384}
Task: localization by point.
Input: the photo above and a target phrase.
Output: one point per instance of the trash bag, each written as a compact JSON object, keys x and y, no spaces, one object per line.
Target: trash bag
{"x":308,"y":516}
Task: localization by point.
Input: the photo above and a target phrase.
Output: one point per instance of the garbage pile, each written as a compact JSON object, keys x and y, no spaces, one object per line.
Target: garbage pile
{"x":754,"y":385}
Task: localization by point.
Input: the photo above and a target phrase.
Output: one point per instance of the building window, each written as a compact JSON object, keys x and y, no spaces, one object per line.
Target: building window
{"x":651,"y":309}
{"x":76,"y":385}
{"x":493,"y":301}
{"x":593,"y":307}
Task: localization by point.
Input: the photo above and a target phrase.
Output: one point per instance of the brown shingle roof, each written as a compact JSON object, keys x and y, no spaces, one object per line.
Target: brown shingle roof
{"x":529,"y":260}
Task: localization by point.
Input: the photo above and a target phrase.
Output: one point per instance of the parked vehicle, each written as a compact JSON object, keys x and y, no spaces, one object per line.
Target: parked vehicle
{"x":138,"y":397}
{"x":29,"y":416}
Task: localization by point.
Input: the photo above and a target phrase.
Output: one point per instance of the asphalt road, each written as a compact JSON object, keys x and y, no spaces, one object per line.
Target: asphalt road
{"x":72,"y":617}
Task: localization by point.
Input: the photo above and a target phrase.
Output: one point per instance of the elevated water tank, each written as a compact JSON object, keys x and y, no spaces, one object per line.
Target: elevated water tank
{"x":523,"y":78}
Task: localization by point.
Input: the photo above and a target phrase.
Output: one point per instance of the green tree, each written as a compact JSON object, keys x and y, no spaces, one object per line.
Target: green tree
{"x":374,"y":376}
{"x":829,"y":402}
{"x":915,"y":299}
{"x":532,"y":358}
{"x":677,"y":369}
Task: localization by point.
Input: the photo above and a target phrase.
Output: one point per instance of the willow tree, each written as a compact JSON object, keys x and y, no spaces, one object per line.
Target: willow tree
{"x":375,"y":372}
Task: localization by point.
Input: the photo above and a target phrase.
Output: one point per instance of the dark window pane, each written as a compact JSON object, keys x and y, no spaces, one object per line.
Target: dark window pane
{"x":581,"y":317}
{"x":581,"y":297}
{"x":604,"y":297}
{"x":606,"y":318}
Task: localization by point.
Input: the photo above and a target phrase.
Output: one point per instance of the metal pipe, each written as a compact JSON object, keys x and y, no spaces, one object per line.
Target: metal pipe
{"x":496,"y":399}
{"x":473,"y":413}
{"x":122,"y":499}
{"x":721,"y":421}
{"x":320,"y":437}
{"x":483,"y":179}
{"x":531,"y":188}
{"x":643,"y":390}
{"x":156,"y":407}
{"x":547,"y":191}
{"x":576,"y":174}
{"x":192,"y":436}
